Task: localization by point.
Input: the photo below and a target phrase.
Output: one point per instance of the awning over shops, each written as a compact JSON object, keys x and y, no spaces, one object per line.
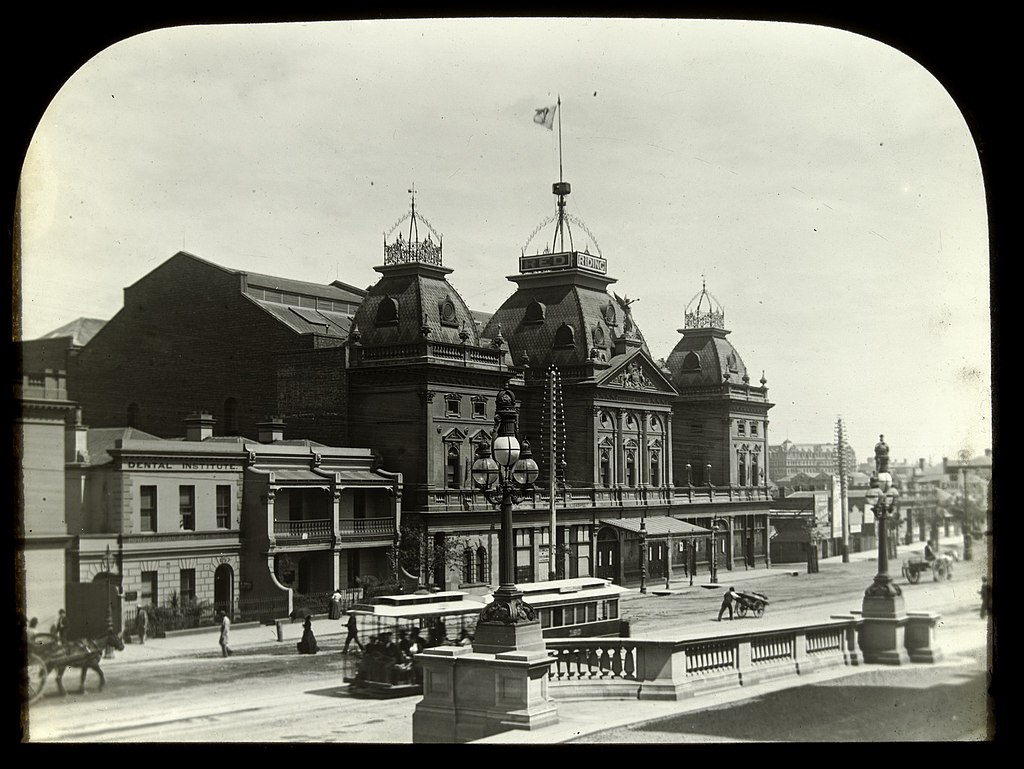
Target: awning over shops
{"x":300,"y":477}
{"x":657,"y":526}
{"x":363,"y":477}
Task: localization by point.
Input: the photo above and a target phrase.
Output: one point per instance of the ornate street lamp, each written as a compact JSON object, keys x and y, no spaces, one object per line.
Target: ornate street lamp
{"x":106,"y":564}
{"x":882,"y":497}
{"x":503,"y":471}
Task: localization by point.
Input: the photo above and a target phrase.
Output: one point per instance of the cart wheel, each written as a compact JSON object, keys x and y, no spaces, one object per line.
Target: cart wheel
{"x":37,"y":673}
{"x":913,"y":577}
{"x":759,"y":610}
{"x":741,"y":610}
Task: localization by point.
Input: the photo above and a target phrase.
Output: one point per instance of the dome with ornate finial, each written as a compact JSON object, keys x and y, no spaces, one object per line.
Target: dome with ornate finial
{"x":562,"y":312}
{"x":704,"y":356}
{"x":413,"y":299}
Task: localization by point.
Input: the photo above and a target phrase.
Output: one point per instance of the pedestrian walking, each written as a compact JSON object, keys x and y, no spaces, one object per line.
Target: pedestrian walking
{"x":142,"y":624}
{"x":334,"y":605}
{"x":353,"y":634}
{"x":986,"y":597}
{"x":61,"y":628}
{"x":225,"y":635}
{"x":727,"y":601}
{"x":308,"y":643}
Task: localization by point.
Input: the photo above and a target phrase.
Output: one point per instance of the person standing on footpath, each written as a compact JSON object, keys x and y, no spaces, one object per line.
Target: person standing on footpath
{"x":61,"y":628}
{"x":334,"y":605}
{"x":142,"y":624}
{"x":225,"y":633}
{"x":986,"y":597}
{"x":353,"y":634}
{"x":727,"y":601}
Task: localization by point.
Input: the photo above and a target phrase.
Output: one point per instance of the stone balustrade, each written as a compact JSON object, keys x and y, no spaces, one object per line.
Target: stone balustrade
{"x":634,"y":668}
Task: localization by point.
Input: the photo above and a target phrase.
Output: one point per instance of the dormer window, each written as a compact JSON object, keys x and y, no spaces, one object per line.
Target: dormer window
{"x":446,"y":311}
{"x":730,"y":361}
{"x":691,"y":362}
{"x":387,"y":312}
{"x":609,"y":314}
{"x":599,"y":335}
{"x":535,"y":312}
{"x":565,"y":336}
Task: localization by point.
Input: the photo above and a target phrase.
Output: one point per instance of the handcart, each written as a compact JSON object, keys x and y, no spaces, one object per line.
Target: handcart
{"x":751,"y":602}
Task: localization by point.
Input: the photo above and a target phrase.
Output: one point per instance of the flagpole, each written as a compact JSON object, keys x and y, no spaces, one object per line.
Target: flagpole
{"x":559,"y":108}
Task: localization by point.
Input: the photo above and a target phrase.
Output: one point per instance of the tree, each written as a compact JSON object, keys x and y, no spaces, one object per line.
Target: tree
{"x":419,"y":556}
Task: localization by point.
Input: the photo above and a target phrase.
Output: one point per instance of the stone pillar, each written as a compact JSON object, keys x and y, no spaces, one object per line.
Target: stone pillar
{"x":620,"y":447}
{"x":469,"y":695}
{"x":644,"y":458}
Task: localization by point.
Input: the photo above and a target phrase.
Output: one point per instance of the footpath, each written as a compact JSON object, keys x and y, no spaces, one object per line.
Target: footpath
{"x":576,"y":718}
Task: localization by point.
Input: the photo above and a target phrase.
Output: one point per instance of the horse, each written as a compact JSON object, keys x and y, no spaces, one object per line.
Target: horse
{"x":942,"y":567}
{"x":85,"y":654}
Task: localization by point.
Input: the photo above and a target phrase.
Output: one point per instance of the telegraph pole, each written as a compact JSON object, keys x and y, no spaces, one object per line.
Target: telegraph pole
{"x":843,"y":498}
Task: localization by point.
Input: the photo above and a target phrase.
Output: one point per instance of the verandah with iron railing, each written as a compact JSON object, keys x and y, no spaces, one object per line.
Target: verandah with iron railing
{"x":178,"y":614}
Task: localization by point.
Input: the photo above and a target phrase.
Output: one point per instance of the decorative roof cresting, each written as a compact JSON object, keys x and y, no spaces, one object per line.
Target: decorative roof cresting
{"x":704,"y":311}
{"x":411,"y":249}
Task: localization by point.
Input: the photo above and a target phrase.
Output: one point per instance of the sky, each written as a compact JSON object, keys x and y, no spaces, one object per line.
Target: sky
{"x":825,"y":186}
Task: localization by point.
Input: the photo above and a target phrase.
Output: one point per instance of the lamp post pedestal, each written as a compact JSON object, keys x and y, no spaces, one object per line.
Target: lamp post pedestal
{"x":500,"y":683}
{"x":885,"y":618}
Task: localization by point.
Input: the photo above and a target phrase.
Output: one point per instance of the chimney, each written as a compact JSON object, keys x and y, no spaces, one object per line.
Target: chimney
{"x":920,"y":463}
{"x":271,"y":430}
{"x":199,"y":426}
{"x":76,"y":444}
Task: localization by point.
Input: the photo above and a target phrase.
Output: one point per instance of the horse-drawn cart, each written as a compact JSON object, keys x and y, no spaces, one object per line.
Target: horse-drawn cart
{"x":751,"y":602}
{"x":46,"y":654}
{"x":941,"y":568}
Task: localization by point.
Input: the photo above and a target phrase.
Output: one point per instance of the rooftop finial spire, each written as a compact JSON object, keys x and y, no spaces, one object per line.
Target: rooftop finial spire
{"x":413,"y":231}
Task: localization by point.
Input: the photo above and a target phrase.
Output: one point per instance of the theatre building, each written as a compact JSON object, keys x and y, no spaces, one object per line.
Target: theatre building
{"x":635,"y":457}
{"x":227,"y":522}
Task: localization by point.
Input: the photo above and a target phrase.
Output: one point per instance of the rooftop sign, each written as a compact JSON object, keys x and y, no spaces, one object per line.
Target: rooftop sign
{"x":563,"y":260}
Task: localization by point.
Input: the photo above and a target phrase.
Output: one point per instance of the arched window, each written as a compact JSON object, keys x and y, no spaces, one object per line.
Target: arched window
{"x":606,"y":468}
{"x":565,"y":336}
{"x":742,"y":455}
{"x":630,"y":468}
{"x":691,"y":362}
{"x":535,"y":312}
{"x":467,"y":565}
{"x":755,"y":470}
{"x":132,"y":417}
{"x":655,"y":468}
{"x":387,"y":312}
{"x":481,"y":564}
{"x":452,"y":466}
{"x":231,"y":417}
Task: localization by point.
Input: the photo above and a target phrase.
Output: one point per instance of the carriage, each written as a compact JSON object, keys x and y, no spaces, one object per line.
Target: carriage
{"x":439,"y":615}
{"x":940,"y":567}
{"x":752,"y":603}
{"x":583,"y":606}
{"x":46,"y":654}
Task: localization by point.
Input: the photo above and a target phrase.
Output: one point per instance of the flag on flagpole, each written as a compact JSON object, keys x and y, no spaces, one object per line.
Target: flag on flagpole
{"x":545,"y":116}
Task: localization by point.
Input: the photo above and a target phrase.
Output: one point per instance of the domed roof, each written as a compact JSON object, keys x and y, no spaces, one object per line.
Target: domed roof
{"x":562,"y":312}
{"x":413,"y":299}
{"x":565,"y":317}
{"x":704,"y":356}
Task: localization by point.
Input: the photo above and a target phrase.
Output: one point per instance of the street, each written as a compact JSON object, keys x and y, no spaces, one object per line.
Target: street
{"x":272,"y":694}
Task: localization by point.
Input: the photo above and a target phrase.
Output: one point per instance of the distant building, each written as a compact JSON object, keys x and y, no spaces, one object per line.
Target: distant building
{"x":788,"y":458}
